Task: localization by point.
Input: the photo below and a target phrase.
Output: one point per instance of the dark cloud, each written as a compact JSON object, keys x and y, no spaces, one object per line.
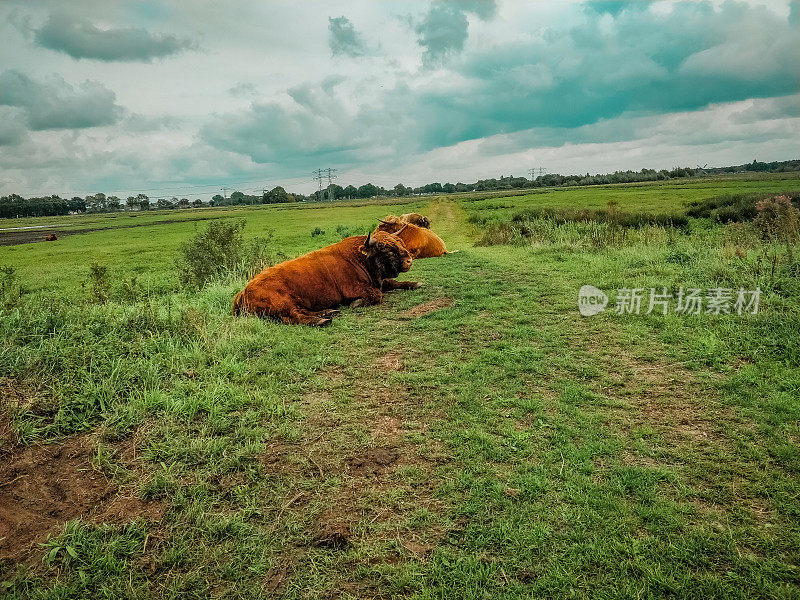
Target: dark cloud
{"x":343,"y":38}
{"x":79,"y":38}
{"x":651,"y":63}
{"x":12,"y":128}
{"x":444,"y":29}
{"x":56,"y":104}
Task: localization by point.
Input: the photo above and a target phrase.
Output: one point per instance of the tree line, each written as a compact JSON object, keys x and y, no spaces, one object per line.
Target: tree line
{"x":16,"y":206}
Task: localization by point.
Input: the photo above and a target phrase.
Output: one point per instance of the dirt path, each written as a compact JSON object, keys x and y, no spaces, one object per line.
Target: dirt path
{"x":449,"y":221}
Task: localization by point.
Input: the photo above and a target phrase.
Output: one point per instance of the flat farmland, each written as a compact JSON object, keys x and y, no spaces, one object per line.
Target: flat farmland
{"x":477,"y":437}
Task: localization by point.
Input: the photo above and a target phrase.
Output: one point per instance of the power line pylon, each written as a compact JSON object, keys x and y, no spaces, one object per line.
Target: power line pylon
{"x":318,"y":177}
{"x":331,"y":177}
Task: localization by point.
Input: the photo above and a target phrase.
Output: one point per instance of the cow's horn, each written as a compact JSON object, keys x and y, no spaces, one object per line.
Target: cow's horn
{"x":370,"y":241}
{"x":385,"y":222}
{"x":399,"y":231}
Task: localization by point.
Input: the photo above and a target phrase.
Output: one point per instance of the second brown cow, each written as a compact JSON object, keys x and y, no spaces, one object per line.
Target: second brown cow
{"x":421,"y":242}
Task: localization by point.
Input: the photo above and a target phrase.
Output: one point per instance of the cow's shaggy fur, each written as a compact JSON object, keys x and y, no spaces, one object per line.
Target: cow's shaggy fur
{"x":307,"y":289}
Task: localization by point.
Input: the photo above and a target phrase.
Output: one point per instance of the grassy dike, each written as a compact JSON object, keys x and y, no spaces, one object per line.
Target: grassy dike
{"x":475,"y":438}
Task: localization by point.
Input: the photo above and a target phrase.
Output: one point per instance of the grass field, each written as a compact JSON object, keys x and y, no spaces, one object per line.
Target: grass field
{"x":475,"y":438}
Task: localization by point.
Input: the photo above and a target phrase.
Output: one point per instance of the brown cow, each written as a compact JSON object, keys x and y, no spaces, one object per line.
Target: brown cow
{"x":421,"y":242}
{"x":307,"y":289}
{"x":51,"y":238}
{"x":413,"y":218}
{"x":416,"y":219}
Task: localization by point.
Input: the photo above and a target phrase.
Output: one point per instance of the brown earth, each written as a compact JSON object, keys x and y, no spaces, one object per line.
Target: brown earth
{"x":393,"y":361}
{"x":372,"y":462}
{"x":44,"y":486}
{"x":31,"y":236}
{"x":420,"y":310}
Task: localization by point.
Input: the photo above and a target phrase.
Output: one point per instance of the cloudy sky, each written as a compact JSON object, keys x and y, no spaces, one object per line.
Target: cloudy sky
{"x":183,"y":98}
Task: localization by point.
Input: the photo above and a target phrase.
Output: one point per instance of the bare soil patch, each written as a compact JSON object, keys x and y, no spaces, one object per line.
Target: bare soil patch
{"x":393,"y":361}
{"x":372,"y":462}
{"x":332,"y":531}
{"x":420,"y":310}
{"x":387,"y":427}
{"x":44,"y":486}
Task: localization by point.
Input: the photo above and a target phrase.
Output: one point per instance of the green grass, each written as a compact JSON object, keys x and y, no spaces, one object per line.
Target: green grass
{"x":652,"y":197}
{"x":538,"y":453}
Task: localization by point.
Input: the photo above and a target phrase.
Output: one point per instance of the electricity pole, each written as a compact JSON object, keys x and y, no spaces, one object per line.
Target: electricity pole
{"x":224,"y":192}
{"x":330,"y":180}
{"x":318,"y":177}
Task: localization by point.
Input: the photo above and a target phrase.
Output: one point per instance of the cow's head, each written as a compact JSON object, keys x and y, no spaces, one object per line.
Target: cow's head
{"x":386,"y":254}
{"x":418,"y":220}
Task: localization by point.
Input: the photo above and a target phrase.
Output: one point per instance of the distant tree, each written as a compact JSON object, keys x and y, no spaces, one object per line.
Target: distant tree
{"x":401,"y":190}
{"x":197,"y":203}
{"x":335,"y":191}
{"x":183,"y":203}
{"x":350,"y":192}
{"x":448,"y":188}
{"x":131,"y":202}
{"x":276,"y":195}
{"x":113,"y":203}
{"x":96,"y":203}
{"x":367,"y":190}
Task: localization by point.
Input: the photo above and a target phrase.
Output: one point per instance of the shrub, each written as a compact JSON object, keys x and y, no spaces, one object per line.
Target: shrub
{"x":777,"y":220}
{"x":99,"y":285}
{"x":732,"y":208}
{"x":255,"y":255}
{"x":220,"y":251}
{"x":317,"y":231}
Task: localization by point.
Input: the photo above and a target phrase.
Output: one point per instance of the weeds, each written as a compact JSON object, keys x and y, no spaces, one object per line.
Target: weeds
{"x":10,"y":289}
{"x":576,"y":234}
{"x":733,"y":208}
{"x":317,"y":231}
{"x":99,"y":284}
{"x":220,"y":251}
{"x":343,"y":231}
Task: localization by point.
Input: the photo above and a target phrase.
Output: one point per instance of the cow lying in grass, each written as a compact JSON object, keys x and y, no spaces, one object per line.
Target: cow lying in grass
{"x":307,"y":289}
{"x":412,"y":218}
{"x":416,"y":219}
{"x":420,"y":241}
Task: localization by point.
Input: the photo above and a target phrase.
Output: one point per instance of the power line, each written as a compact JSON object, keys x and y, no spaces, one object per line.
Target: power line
{"x":318,"y":177}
